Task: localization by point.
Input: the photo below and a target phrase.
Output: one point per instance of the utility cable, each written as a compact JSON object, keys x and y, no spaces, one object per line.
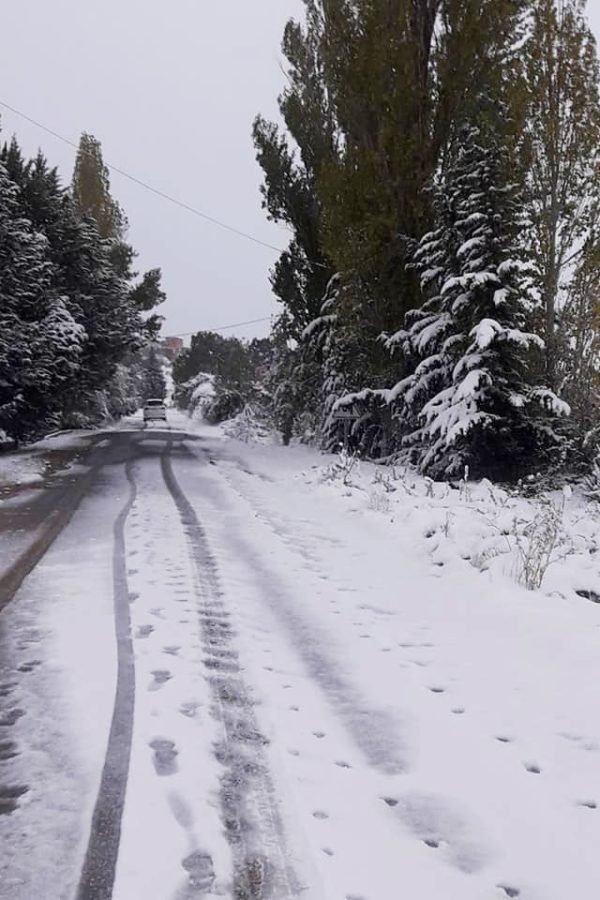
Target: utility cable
{"x":223,"y":327}
{"x":149,"y":187}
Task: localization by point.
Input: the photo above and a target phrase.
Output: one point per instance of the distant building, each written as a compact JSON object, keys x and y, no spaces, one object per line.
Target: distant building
{"x":171,"y":347}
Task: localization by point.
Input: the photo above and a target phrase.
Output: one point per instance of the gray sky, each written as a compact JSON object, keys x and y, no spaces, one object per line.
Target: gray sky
{"x":170,"y":88}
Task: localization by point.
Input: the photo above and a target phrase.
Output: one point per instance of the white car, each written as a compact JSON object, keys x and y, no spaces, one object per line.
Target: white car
{"x":155,"y":409}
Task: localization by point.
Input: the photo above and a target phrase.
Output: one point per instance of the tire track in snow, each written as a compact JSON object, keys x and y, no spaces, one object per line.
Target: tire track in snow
{"x":373,"y":731}
{"x":248,"y":804}
{"x":99,"y":867}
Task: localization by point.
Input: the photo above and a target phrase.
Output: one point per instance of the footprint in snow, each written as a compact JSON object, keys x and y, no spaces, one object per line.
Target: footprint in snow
{"x":200,"y":869}
{"x":533,"y":768}
{"x":172,"y":650}
{"x":437,"y":823}
{"x":459,"y":710}
{"x":319,"y":734}
{"x":328,"y":851}
{"x":343,"y":765}
{"x":165,"y":756}
{"x":161,"y":676}
{"x":437,"y":690}
{"x":503,"y":739}
{"x":144,"y":631}
{"x":509,"y":890}
{"x":320,"y":814}
{"x":588,"y":804}
{"x":189,"y":709}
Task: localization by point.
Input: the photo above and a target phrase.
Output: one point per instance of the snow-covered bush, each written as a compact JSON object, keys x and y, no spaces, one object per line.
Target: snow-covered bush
{"x":224,"y":406}
{"x":195,"y":394}
{"x":537,"y":542}
{"x":346,"y":463}
{"x":251,"y":425}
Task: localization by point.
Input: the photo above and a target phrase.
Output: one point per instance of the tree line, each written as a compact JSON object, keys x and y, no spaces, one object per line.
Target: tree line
{"x":438,"y":168}
{"x":73,"y":310}
{"x":236,"y":371}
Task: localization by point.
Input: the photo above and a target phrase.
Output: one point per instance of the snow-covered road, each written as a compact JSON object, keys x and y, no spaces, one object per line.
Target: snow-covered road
{"x":229,"y":677}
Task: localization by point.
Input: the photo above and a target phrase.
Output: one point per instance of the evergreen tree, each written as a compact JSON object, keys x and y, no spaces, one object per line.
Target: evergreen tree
{"x":83,"y":274}
{"x":40,"y":342}
{"x":154,"y":384}
{"x":93,"y":201}
{"x":471,"y":394}
{"x":91,"y":190}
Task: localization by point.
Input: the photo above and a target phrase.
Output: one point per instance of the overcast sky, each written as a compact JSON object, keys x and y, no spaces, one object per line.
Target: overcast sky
{"x":170,"y":89}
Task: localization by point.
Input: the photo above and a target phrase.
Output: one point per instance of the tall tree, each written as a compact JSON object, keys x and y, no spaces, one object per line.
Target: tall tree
{"x":91,"y":189}
{"x":154,"y":385}
{"x":563,"y":116}
{"x":376,"y":93}
{"x":93,"y":200}
{"x":472,"y":400}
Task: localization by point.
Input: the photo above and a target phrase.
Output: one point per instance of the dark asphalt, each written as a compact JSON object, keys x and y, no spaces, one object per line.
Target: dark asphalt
{"x":44,"y":515}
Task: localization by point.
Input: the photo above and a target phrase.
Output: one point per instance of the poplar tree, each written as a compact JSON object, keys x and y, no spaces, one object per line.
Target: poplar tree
{"x":563,"y":129}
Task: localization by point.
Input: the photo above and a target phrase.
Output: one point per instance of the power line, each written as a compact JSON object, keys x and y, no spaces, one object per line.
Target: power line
{"x":149,"y":187}
{"x":223,"y":327}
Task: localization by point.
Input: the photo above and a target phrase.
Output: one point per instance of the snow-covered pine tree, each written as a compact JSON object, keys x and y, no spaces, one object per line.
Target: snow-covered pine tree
{"x":471,"y":395}
{"x":154,"y":385}
{"x":40,"y":342}
{"x":84,"y":275}
{"x":325,"y":340}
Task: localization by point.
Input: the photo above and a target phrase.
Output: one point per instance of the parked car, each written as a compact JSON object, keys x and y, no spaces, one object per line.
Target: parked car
{"x":155,"y":409}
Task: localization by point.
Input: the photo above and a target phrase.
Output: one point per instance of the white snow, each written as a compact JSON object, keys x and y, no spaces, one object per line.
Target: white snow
{"x":433,"y":725}
{"x":397,"y":639}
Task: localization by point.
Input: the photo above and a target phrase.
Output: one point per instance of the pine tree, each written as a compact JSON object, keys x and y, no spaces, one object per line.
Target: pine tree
{"x":472,"y":394}
{"x":41,"y":344}
{"x":154,"y":383}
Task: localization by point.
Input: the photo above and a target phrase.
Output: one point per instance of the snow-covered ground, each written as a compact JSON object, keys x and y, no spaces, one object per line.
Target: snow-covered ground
{"x":435,"y":725}
{"x":344,"y":690}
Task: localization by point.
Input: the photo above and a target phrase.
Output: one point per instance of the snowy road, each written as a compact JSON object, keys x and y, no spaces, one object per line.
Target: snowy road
{"x":224,"y":679}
